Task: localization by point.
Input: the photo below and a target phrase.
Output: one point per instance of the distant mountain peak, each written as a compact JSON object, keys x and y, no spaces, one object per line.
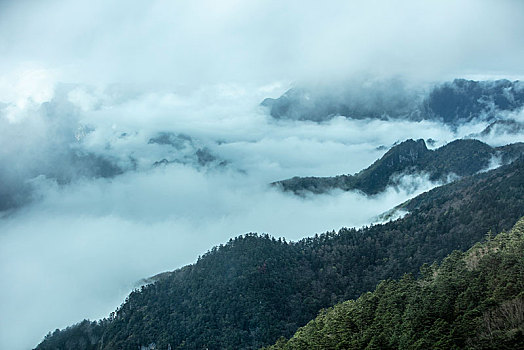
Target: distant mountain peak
{"x":452,"y":103}
{"x":409,"y":151}
{"x":458,"y":158}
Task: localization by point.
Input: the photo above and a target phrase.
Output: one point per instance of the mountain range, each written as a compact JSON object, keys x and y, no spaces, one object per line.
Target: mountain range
{"x":452,"y":103}
{"x":255,"y":289}
{"x":456,"y":159}
{"x":444,"y":275}
{"x":73,"y":163}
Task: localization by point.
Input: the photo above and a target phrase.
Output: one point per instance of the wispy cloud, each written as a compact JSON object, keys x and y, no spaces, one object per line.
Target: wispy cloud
{"x":112,"y":232}
{"x":176,"y":43}
{"x":97,"y":81}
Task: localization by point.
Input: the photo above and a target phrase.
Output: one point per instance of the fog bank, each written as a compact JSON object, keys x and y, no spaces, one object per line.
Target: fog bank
{"x":132,"y":138}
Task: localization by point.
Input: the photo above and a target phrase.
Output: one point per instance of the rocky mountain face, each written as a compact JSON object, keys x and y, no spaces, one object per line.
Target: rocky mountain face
{"x":456,"y":159}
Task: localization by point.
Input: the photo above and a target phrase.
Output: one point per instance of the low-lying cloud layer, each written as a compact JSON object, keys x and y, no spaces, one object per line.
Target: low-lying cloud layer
{"x":78,"y":251}
{"x":132,"y":139}
{"x":82,"y":244}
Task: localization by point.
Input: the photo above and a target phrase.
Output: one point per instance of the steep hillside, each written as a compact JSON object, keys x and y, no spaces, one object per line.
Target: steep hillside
{"x":255,"y":289}
{"x":472,"y":300}
{"x":458,"y":158}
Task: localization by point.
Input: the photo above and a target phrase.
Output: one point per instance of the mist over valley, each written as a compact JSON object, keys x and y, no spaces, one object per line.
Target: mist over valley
{"x":142,"y":139}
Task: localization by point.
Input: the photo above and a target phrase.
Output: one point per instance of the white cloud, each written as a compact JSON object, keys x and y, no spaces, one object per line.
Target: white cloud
{"x":78,"y":251}
{"x":104,"y":78}
{"x":110,"y":233}
{"x":190,"y":44}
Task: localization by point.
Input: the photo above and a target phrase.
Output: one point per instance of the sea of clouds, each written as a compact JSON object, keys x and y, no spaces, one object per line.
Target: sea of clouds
{"x":92,"y":82}
{"x":76,"y":247}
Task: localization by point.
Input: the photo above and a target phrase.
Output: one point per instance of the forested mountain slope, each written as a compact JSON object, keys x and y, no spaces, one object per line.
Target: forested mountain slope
{"x":472,"y":300}
{"x":458,"y":158}
{"x":255,"y":289}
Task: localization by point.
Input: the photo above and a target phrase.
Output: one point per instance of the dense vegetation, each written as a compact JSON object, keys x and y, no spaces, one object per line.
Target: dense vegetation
{"x":457,"y":158}
{"x":472,"y":300}
{"x":255,"y":289}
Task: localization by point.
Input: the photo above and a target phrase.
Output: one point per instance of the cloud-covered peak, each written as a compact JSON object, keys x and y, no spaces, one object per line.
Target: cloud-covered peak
{"x":453,"y":103}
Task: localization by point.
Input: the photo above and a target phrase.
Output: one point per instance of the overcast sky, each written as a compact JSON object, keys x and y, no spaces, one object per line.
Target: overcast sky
{"x":105,"y":77}
{"x":202,"y":42}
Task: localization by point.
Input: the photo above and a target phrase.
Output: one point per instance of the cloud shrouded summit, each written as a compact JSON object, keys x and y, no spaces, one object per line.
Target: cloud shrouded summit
{"x":132,"y":140}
